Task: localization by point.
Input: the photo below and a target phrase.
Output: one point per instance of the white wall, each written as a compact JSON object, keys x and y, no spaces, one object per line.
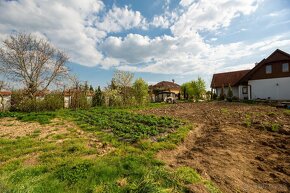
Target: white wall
{"x":276,"y":88}
{"x":6,"y":102}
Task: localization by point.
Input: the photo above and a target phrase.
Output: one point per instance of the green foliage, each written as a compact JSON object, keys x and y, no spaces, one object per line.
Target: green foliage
{"x":140,"y":88}
{"x":98,"y":99}
{"x":126,"y":126}
{"x":79,"y":100}
{"x":248,"y":120}
{"x":40,"y":117}
{"x":199,"y":88}
{"x":73,"y":173}
{"x":51,"y":102}
{"x":230,"y":93}
{"x":287,"y":112}
{"x":275,"y":127}
{"x":194,"y":89}
{"x":214,"y":96}
{"x":222,"y":94}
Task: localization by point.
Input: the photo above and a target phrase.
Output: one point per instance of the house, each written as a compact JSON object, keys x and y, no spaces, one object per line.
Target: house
{"x":226,"y":79}
{"x":164,"y":89}
{"x":5,"y":100}
{"x":269,"y":79}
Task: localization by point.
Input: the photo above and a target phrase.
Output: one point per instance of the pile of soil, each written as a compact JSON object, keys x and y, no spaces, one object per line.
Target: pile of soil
{"x":233,"y":145}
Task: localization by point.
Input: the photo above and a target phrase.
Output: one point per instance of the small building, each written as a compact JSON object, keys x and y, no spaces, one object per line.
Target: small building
{"x":164,"y":89}
{"x":269,"y":79}
{"x":69,"y":94}
{"x":226,"y":79}
{"x":5,"y":100}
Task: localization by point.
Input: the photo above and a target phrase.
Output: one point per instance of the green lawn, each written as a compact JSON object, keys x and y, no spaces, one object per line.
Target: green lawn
{"x":75,"y":166}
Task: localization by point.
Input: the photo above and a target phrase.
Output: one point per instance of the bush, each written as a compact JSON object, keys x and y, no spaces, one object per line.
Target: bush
{"x":214,"y":96}
{"x":53,"y":102}
{"x":20,"y":102}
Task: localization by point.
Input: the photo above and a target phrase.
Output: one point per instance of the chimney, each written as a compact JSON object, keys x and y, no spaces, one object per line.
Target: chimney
{"x":173,"y":80}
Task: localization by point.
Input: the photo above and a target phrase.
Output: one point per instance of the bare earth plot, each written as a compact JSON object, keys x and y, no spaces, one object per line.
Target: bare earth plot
{"x":234,"y":145}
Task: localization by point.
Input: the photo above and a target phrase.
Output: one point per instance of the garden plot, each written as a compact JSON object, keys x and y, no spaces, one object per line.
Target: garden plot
{"x":240,"y":147}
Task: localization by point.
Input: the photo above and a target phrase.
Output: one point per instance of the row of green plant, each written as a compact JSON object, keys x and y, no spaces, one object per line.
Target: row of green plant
{"x":125,"y":125}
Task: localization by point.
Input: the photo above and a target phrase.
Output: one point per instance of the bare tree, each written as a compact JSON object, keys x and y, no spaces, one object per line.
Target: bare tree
{"x":32,"y":61}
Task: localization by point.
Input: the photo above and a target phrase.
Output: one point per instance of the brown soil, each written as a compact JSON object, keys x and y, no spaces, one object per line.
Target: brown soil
{"x":12,"y":128}
{"x":232,"y":145}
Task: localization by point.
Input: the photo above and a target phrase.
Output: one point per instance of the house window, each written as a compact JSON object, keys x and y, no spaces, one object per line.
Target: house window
{"x":268,"y":69}
{"x":285,"y":67}
{"x":245,"y":90}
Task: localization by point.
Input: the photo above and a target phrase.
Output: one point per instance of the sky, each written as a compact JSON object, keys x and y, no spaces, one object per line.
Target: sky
{"x":156,"y":39}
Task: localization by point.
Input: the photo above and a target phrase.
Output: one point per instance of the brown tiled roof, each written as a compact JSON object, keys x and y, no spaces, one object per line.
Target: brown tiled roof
{"x":5,"y":93}
{"x":166,"y":85}
{"x":227,"y":78}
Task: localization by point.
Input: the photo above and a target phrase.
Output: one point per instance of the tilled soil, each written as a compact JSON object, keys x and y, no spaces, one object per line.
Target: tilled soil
{"x":233,"y":145}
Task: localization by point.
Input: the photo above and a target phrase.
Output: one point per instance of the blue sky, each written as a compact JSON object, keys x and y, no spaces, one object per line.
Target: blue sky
{"x":156,"y":39}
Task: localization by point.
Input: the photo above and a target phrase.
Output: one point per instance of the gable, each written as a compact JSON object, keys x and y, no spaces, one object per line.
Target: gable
{"x":276,"y":59}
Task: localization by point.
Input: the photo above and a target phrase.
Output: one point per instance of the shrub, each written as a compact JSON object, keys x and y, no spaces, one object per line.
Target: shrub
{"x":214,"y":96}
{"x":222,"y":95}
{"x":230,"y":94}
{"x":53,"y":101}
{"x":20,"y":102}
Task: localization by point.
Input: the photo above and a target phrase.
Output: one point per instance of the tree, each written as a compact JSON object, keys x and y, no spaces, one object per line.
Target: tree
{"x":123,"y":81}
{"x":199,"y":88}
{"x":140,"y":88}
{"x":230,"y":92}
{"x":222,"y":94}
{"x":32,"y":61}
{"x":91,"y":88}
{"x":98,"y":97}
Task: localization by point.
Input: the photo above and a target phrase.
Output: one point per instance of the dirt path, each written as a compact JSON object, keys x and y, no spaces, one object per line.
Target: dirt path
{"x":236,"y":158}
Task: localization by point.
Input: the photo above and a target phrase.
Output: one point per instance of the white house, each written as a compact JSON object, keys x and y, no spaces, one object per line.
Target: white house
{"x":5,"y":100}
{"x":269,"y":79}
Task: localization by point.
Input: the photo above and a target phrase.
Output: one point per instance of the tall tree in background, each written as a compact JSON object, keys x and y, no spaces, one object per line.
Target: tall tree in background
{"x":98,"y":97}
{"x":91,"y":88}
{"x":123,"y":80}
{"x":140,"y":88}
{"x":198,"y":88}
{"x":32,"y":61}
{"x":194,"y":89}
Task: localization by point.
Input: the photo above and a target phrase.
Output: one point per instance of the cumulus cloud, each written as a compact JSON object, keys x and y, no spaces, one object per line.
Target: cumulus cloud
{"x":88,"y":32}
{"x":64,"y":23}
{"x":206,"y":15}
{"x":118,"y":19}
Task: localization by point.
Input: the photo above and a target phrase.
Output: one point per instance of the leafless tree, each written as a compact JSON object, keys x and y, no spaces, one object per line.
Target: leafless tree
{"x":32,"y":61}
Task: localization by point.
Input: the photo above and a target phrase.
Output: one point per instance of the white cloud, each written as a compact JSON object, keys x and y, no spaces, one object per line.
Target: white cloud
{"x":62,"y":22}
{"x":84,"y":30}
{"x":160,"y":21}
{"x":118,"y":19}
{"x":206,"y":15}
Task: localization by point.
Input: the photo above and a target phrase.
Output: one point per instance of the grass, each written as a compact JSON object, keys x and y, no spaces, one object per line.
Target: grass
{"x":40,"y":117}
{"x":75,"y":166}
{"x":287,"y":112}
